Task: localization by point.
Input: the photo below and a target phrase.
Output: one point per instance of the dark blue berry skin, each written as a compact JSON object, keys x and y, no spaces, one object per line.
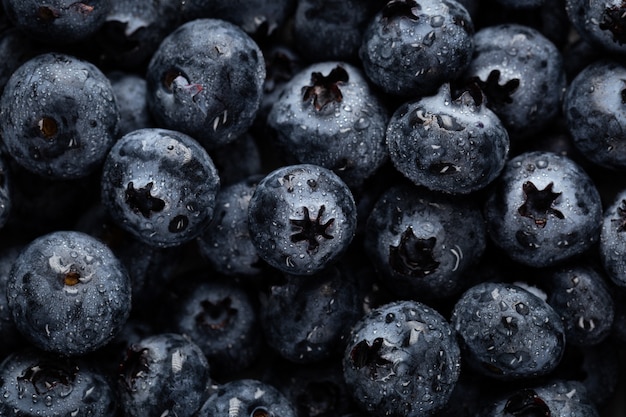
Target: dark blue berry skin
{"x":331,"y":30}
{"x":238,"y":160}
{"x":68,"y":293}
{"x":543,"y":209}
{"x":57,"y":21}
{"x":35,"y":383}
{"x":422,"y":244}
{"x":307,"y":319}
{"x":555,"y":399}
{"x":521,"y":73}
{"x":130,"y":93}
{"x":402,"y":359}
{"x":133,"y":30}
{"x":580,"y":295}
{"x":600,"y":23}
{"x":10,"y":336}
{"x":160,"y":185}
{"x":6,"y":192}
{"x":507,"y":332}
{"x":58,"y":116}
{"x":220,"y":317}
{"x":301,"y":218}
{"x":452,"y":146}
{"x":612,"y":245}
{"x":206,"y":80}
{"x":402,"y":47}
{"x":16,"y":48}
{"x":328,"y":115}
{"x":595,"y":113}
{"x":247,"y":397}
{"x":163,"y":374}
{"x":226,"y":243}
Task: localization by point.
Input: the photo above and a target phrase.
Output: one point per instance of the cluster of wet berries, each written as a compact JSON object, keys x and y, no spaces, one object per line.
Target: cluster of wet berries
{"x":312,"y":208}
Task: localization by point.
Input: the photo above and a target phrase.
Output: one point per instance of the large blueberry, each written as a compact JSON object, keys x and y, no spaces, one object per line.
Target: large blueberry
{"x":402,"y":359}
{"x":301,"y":218}
{"x":68,"y":293}
{"x":206,"y":80}
{"x":58,"y":116}
{"x":160,"y":185}
{"x":543,"y":209}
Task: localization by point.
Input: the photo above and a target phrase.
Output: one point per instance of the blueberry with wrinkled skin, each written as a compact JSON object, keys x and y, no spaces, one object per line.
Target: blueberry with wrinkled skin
{"x":402,"y":359}
{"x":580,"y":295}
{"x":68,"y":293}
{"x":57,"y":21}
{"x":206,"y":80}
{"x":522,"y":75}
{"x":328,"y":115}
{"x":160,"y":185}
{"x":226,"y":242}
{"x":301,"y":218}
{"x":220,"y":317}
{"x":453,"y":146}
{"x":600,"y":23}
{"x":554,"y":399}
{"x":249,"y":397}
{"x":593,"y":106}
{"x":506,"y":332}
{"x":422,"y":244}
{"x":307,"y":319}
{"x":130,"y":92}
{"x":543,"y":209}
{"x":401,"y":47}
{"x":58,"y":116}
{"x":35,"y":383}
{"x":163,"y":374}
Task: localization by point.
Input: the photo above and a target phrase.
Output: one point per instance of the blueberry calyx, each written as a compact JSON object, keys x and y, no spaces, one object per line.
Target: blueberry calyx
{"x":497,"y":94}
{"x":613,"y":21}
{"x":526,"y":403}
{"x":81,"y":8}
{"x":134,"y":366}
{"x":308,"y":229}
{"x":217,"y":315}
{"x":413,"y":256}
{"x":621,"y":212}
{"x":325,"y":89}
{"x":260,"y":412}
{"x":47,"y":14}
{"x":46,"y":376}
{"x":141,"y":201}
{"x":363,"y":354}
{"x":48,"y":127}
{"x":538,"y":204}
{"x":401,"y":8}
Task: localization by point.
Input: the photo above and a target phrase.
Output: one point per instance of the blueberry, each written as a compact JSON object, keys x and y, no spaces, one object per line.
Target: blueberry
{"x":613,"y":240}
{"x":163,"y":374}
{"x":220,"y":317}
{"x":543,"y":209}
{"x":206,"y":80}
{"x":594,"y":111}
{"x":301,"y":218}
{"x":580,"y":295}
{"x":160,"y":185}
{"x":68,"y":293}
{"x":455,"y":146}
{"x":58,"y":116}
{"x":330,"y":30}
{"x":226,"y":243}
{"x":16,"y":47}
{"x":247,"y":397}
{"x":238,"y":160}
{"x":329,"y":116}
{"x":307,"y":319}
{"x":422,"y":244}
{"x":599,"y":23}
{"x":507,"y":332}
{"x":10,"y":336}
{"x":34,"y":383}
{"x":521,"y":73}
{"x":402,"y":359}
{"x":553,"y":399}
{"x":57,"y":21}
{"x":401,"y":47}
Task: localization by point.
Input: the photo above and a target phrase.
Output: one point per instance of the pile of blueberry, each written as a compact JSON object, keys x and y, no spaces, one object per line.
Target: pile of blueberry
{"x":312,"y":208}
